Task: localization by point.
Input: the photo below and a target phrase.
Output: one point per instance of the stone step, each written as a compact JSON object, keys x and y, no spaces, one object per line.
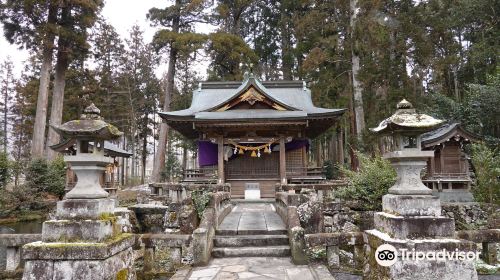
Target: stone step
{"x":269,"y":251}
{"x":232,"y":232}
{"x":250,"y":240}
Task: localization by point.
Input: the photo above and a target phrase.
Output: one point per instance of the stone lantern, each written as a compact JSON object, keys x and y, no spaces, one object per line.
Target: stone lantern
{"x":89,"y":162}
{"x":84,"y":239}
{"x":406,"y":127}
{"x":411,"y":219}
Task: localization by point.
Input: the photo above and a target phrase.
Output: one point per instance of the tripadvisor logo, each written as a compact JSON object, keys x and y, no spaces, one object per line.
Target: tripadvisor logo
{"x":387,"y":255}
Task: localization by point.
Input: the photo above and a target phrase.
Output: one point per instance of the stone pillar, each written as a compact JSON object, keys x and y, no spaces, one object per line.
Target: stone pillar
{"x":333,"y":257}
{"x":13,"y":258}
{"x":489,"y":253}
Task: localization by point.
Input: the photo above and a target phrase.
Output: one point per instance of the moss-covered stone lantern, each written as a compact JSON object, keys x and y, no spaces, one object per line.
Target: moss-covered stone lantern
{"x":411,"y":217}
{"x":83,"y":239}
{"x":88,"y":162}
{"x":406,"y":127}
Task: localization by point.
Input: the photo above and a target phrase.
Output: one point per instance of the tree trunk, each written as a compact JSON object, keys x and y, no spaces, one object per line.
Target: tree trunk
{"x":122,"y":167}
{"x":159,"y":162}
{"x":286,"y":54}
{"x":352,"y":127}
{"x":455,"y":83}
{"x":5,"y":114}
{"x":357,"y":90}
{"x":43,"y":90}
{"x":58,"y":91}
{"x":144,"y":156}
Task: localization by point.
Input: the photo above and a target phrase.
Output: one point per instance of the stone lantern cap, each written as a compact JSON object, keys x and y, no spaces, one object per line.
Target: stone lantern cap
{"x":406,"y":119}
{"x":90,"y":126}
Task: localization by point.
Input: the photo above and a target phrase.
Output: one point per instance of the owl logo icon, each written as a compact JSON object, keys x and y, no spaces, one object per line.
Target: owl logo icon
{"x":386,"y":255}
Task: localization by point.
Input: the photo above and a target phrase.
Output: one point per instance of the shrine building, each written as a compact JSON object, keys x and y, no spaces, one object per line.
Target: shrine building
{"x":252,"y":134}
{"x":449,"y":171}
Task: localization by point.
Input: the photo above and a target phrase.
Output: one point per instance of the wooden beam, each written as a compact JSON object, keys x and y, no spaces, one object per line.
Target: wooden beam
{"x":441,"y":159}
{"x":220,"y":160}
{"x":340,"y":147}
{"x":432,"y":168}
{"x":282,"y":160}
{"x":304,"y":159}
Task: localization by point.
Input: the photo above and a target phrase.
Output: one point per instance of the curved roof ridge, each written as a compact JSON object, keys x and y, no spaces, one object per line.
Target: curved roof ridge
{"x":247,"y":83}
{"x":444,"y":132}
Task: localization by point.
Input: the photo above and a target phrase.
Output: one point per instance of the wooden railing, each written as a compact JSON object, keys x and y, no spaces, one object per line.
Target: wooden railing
{"x":303,"y":175}
{"x":255,"y":173}
{"x":200,"y":175}
{"x":296,"y":174}
{"x":447,"y":176}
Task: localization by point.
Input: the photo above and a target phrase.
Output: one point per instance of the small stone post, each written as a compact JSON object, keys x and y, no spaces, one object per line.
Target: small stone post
{"x":13,"y":258}
{"x":411,"y":219}
{"x":84,"y":241}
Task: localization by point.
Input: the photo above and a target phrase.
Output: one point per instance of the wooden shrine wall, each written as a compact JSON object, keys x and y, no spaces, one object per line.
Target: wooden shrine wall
{"x":267,"y":166}
{"x":264,"y":170}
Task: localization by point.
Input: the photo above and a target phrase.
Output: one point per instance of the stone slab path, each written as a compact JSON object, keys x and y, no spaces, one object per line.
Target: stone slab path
{"x":246,"y":236}
{"x":252,"y":218}
{"x":259,"y":268}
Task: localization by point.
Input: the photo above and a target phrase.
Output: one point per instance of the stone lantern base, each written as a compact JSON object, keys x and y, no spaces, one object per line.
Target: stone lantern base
{"x":416,"y":269}
{"x":414,"y":222}
{"x":111,"y":260}
{"x":83,"y":242}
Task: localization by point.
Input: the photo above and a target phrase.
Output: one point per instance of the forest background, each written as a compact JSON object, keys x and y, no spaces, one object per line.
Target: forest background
{"x":363,"y":55}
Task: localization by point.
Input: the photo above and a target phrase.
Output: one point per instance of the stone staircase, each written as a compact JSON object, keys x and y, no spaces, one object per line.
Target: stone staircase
{"x":251,"y":234}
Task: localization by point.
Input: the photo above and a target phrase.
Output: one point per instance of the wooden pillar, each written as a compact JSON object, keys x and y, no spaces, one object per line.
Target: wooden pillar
{"x":304,"y":160}
{"x":282,"y":160}
{"x":340,"y":147}
{"x":113,"y":173}
{"x":432,"y":167}
{"x":441,"y":160}
{"x":220,"y":161}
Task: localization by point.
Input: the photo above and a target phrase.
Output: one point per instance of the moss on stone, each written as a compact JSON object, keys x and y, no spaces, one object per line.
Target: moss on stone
{"x":316,"y":253}
{"x":162,"y":260}
{"x":78,"y":243}
{"x":122,"y":274}
{"x":108,"y":217}
{"x":114,"y":130}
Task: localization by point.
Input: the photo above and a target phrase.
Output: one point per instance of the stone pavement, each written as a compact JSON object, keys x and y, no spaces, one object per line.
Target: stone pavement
{"x":259,"y":268}
{"x":252,"y":218}
{"x":252,"y":244}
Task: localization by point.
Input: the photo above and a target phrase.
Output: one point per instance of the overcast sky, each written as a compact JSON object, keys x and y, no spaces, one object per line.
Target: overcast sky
{"x":122,"y":14}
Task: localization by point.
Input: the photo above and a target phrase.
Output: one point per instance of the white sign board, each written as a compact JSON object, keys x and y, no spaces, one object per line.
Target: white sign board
{"x":252,"y":191}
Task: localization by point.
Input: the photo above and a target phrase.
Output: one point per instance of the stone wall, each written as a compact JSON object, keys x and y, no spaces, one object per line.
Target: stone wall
{"x":340,"y":218}
{"x":473,"y":216}
{"x":218,"y":207}
{"x":165,"y":253}
{"x":342,"y":252}
{"x":286,"y":207}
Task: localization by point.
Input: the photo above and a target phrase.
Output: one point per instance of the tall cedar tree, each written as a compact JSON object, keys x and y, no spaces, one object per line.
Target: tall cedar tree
{"x":178,"y":36}
{"x":74,"y":20}
{"x":7,"y":88}
{"x":227,"y":48}
{"x":32,"y":25}
{"x":143,"y":94}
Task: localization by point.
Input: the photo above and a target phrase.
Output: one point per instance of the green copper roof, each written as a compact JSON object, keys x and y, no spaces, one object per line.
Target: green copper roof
{"x":406,"y":118}
{"x":90,"y":126}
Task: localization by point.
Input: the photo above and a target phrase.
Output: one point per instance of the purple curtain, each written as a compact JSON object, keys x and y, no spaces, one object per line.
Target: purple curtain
{"x":297,"y":144}
{"x":207,"y":153}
